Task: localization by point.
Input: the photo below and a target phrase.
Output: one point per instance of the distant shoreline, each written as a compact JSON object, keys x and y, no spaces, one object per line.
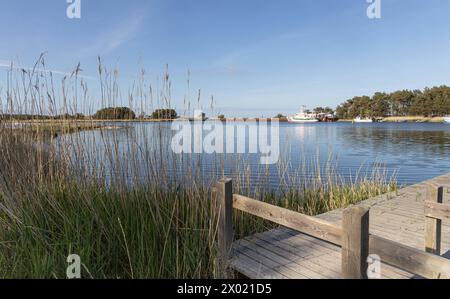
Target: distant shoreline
{"x":406,"y":119}
{"x":391,"y":119}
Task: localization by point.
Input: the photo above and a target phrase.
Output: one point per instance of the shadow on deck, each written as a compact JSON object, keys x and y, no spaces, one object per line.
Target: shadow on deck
{"x":403,"y":239}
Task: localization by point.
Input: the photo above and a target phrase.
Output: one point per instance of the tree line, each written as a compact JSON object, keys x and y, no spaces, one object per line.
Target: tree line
{"x":113,"y":113}
{"x":428,"y":102}
{"x":66,"y":116}
{"x":109,"y":113}
{"x":433,"y":101}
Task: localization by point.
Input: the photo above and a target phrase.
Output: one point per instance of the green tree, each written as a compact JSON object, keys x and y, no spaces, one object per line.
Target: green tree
{"x":324,"y":110}
{"x":429,"y":102}
{"x":113,"y":113}
{"x":401,"y":101}
{"x":380,"y":104}
{"x":164,"y":114}
{"x":341,"y":111}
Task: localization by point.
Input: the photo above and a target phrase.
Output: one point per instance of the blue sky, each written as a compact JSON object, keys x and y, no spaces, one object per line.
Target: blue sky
{"x":257,"y":57}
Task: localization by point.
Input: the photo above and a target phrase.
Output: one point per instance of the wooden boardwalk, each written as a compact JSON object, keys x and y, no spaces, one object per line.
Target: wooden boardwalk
{"x":286,"y":253}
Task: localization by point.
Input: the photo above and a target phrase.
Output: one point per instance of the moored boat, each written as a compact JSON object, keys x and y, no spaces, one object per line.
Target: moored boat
{"x":327,"y":118}
{"x":303,"y":117}
{"x":447,"y":119}
{"x":363,"y":120}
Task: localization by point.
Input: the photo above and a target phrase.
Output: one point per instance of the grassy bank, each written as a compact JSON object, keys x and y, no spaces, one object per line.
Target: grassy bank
{"x":53,"y":129}
{"x":406,"y":119}
{"x":414,"y":119}
{"x":50,"y":207}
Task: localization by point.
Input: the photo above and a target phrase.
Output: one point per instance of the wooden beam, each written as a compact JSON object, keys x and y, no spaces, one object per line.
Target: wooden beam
{"x":409,"y":259}
{"x":302,"y":223}
{"x":355,"y":242}
{"x":437,"y":210}
{"x":433,"y":226}
{"x":224,"y":206}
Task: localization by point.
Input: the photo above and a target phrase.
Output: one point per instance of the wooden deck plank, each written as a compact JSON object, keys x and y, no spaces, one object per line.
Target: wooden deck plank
{"x":252,"y":268}
{"x":284,"y":253}
{"x":268,"y":259}
{"x":288,"y":250}
{"x":314,"y":270}
{"x":325,"y":264}
{"x":294,"y":259}
{"x":335,"y":253}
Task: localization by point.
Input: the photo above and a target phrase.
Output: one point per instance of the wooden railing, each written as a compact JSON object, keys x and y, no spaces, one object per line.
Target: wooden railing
{"x":435,"y":212}
{"x":353,"y":236}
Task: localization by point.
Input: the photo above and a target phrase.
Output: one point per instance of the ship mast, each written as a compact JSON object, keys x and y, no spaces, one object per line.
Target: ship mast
{"x":303,"y":109}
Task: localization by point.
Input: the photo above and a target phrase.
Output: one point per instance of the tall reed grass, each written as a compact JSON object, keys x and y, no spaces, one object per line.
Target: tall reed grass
{"x":119,"y":197}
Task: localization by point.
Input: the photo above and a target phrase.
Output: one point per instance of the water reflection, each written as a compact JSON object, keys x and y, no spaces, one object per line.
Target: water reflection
{"x":415,"y":152}
{"x":418,"y":151}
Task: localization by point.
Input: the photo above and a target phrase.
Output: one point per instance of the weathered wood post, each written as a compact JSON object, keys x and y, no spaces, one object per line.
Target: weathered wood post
{"x":433,"y":226}
{"x":224,"y":205}
{"x":355,"y":242}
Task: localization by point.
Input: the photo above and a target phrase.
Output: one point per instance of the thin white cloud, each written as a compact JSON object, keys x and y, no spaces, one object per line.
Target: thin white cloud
{"x":230,"y":59}
{"x":115,"y":38}
{"x":7,"y":65}
{"x":229,"y":64}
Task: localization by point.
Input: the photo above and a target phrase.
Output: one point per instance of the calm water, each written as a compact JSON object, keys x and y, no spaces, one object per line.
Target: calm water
{"x":412,"y":152}
{"x":415,"y":151}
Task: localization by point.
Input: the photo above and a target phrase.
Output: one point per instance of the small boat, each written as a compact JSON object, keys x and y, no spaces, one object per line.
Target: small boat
{"x":363,"y":120}
{"x":327,"y":118}
{"x":303,"y":117}
{"x":447,"y":119}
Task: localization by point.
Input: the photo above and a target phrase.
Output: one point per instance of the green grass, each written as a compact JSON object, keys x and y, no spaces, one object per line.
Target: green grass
{"x":144,"y":231}
{"x":136,"y":234}
{"x":116,"y":234}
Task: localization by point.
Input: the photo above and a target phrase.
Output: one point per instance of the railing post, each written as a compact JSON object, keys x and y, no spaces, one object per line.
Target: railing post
{"x":433,"y":226}
{"x":355,"y":242}
{"x":224,"y":205}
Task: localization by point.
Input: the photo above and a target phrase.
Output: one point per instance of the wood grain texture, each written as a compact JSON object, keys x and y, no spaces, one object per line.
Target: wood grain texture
{"x":397,"y":233}
{"x":433,"y":226}
{"x":355,"y":242}
{"x":410,"y":259}
{"x":436,"y":210}
{"x":224,"y":206}
{"x":299,"y":222}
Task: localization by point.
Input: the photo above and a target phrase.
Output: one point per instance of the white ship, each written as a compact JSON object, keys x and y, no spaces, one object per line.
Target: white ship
{"x":363,"y":120}
{"x":303,"y":117}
